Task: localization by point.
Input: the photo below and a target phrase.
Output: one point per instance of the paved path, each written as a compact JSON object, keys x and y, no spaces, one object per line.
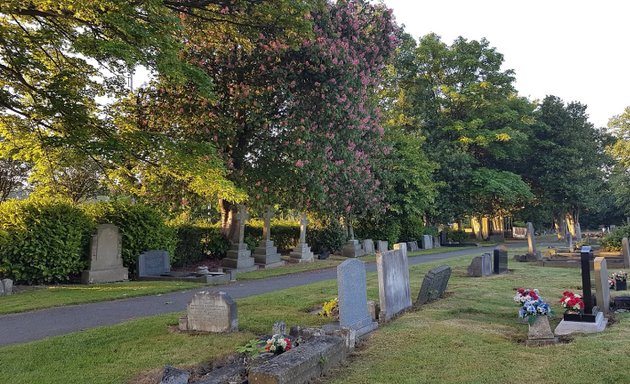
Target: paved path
{"x":35,"y":325}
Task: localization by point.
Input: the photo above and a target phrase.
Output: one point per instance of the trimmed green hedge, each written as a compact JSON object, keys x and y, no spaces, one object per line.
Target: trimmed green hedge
{"x":612,"y":241}
{"x":43,"y":241}
{"x":196,"y":242}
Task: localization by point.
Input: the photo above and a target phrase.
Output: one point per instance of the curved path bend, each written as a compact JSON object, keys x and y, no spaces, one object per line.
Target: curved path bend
{"x":36,"y":325}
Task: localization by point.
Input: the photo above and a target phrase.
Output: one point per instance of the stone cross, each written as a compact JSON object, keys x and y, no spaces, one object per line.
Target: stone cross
{"x":303,"y":222}
{"x":267,"y":226}
{"x":350,"y":230}
{"x":241,"y":218}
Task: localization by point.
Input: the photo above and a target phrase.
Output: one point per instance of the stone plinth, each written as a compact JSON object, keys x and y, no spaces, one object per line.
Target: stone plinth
{"x":239,"y":258}
{"x":570,"y":327}
{"x":352,"y":249}
{"x":540,"y":333}
{"x":266,"y":255}
{"x":301,"y":254}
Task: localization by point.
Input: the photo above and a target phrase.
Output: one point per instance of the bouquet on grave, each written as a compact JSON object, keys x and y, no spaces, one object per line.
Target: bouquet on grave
{"x":532,"y":304}
{"x":572,"y":301}
{"x":611,"y":282}
{"x":621,"y":276}
{"x":278,"y":344}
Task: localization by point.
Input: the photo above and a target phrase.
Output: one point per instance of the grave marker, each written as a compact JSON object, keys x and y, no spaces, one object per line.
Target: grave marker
{"x":480,"y":266}
{"x":238,"y":256}
{"x":625,"y":250}
{"x":382,"y":246}
{"x":266,"y":254}
{"x":106,"y":264}
{"x":153,"y":263}
{"x":368,"y":247}
{"x":500,"y":259}
{"x":427,"y":242}
{"x":393,"y":283}
{"x":531,"y":241}
{"x":352,"y":294}
{"x":434,"y":284}
{"x":302,"y":252}
{"x":210,"y":312}
{"x":602,"y":288}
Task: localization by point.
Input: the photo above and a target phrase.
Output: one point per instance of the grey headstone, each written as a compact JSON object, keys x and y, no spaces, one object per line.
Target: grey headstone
{"x":434,"y":284}
{"x":352,"y":249}
{"x":211,"y":312}
{"x":382,"y":246}
{"x":352,"y":294}
{"x":602,"y":289}
{"x":2,"y":293}
{"x":279,"y":328}
{"x":401,"y":246}
{"x":106,"y":264}
{"x":531,"y":240}
{"x":625,"y":250}
{"x":6,"y":287}
{"x":368,"y":247}
{"x":500,"y":259}
{"x":153,"y":263}
{"x":173,"y":375}
{"x":436,"y":242}
{"x":393,"y":283}
{"x":427,"y":242}
{"x":480,"y":266}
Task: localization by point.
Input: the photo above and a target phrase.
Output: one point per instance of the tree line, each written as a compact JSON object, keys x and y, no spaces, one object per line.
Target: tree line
{"x":314,"y":105}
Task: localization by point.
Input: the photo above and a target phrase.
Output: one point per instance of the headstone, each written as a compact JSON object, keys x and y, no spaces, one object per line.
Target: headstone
{"x":531,"y":241}
{"x":625,"y":250}
{"x":414,"y":246}
{"x":578,"y":231}
{"x":434,"y":284}
{"x":352,"y":294}
{"x":500,"y":259}
{"x":106,"y":264}
{"x":443,"y":237}
{"x":6,"y":287}
{"x":302,"y":252}
{"x":382,"y":246}
{"x":238,"y":256}
{"x":393,"y":283}
{"x":266,"y":254}
{"x":427,"y":242}
{"x":153,"y":263}
{"x":279,"y":328}
{"x":519,"y":232}
{"x":602,"y":288}
{"x":210,"y":312}
{"x":480,"y":266}
{"x":436,"y":242}
{"x":368,"y":247}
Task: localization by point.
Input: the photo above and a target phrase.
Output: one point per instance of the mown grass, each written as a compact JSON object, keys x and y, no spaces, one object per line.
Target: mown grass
{"x":470,"y":336}
{"x":58,"y":295}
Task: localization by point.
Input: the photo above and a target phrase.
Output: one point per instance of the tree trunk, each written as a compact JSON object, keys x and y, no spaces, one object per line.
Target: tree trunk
{"x":228,"y":223}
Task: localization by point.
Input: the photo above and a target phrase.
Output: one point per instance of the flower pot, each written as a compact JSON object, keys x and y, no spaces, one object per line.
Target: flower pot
{"x":540,"y":332}
{"x":621,"y":285}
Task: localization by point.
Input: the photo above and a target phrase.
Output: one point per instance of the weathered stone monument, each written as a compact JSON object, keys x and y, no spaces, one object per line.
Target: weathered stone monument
{"x":500,"y":259}
{"x":393,"y":283}
{"x":266,"y":254}
{"x":401,"y":246}
{"x":302,"y":252}
{"x":382,"y":246}
{"x":6,"y":287}
{"x":106,"y":264}
{"x":625,"y":250}
{"x":153,"y":264}
{"x":436,"y":242}
{"x":412,"y":246}
{"x":531,"y":243}
{"x":352,"y":295}
{"x":368,"y":247}
{"x":602,"y":288}
{"x":480,"y":266}
{"x":591,"y":320}
{"x":210,"y":312}
{"x":578,"y":232}
{"x":352,"y":248}
{"x":427,"y":242}
{"x":238,"y":256}
{"x":434,"y":284}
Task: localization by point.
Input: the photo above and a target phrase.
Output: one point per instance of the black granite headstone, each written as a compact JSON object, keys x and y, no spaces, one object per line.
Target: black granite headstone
{"x":500,"y":259}
{"x":434,"y":284}
{"x":586,"y":255}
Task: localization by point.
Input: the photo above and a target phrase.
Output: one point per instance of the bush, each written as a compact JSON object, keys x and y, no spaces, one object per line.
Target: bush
{"x":43,"y":241}
{"x":142,"y":228}
{"x":326,"y":235}
{"x":456,"y":236}
{"x":284,"y":233}
{"x":612,"y":241}
{"x":387,"y":228}
{"x":196,"y":242}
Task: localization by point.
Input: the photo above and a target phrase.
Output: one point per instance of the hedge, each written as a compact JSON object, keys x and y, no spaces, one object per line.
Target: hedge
{"x":612,"y":241}
{"x":43,"y":241}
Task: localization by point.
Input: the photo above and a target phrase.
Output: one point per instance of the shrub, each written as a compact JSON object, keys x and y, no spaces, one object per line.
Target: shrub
{"x":43,"y":241}
{"x":387,"y":228}
{"x":200,"y":241}
{"x":142,"y":228}
{"x":284,"y":233}
{"x":612,"y":241}
{"x":326,"y":235}
{"x":456,"y":236}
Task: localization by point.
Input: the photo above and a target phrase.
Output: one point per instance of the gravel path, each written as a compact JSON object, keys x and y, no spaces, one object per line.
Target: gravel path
{"x":35,"y":325}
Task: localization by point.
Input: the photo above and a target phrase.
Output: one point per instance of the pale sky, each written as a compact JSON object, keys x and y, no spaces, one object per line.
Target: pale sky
{"x":577,"y":50}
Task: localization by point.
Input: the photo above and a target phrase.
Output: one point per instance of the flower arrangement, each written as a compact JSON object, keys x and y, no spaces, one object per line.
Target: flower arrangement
{"x":278,"y":344}
{"x":572,"y":301}
{"x":532,"y":304}
{"x":611,"y":283}
{"x":621,"y":276}
{"x":330,"y":309}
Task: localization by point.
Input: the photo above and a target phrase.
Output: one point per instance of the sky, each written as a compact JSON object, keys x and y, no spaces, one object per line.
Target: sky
{"x":577,"y":50}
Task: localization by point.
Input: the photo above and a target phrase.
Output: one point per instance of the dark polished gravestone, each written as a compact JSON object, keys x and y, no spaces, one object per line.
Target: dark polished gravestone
{"x":500,"y":259}
{"x":434,"y":284}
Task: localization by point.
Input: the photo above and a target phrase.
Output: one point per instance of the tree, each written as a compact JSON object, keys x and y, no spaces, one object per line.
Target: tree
{"x":619,"y":149}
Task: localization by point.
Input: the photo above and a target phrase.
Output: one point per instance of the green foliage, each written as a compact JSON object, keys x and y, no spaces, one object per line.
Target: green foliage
{"x":252,"y":348}
{"x":142,"y":228}
{"x":200,"y":241}
{"x":384,"y":228}
{"x":325,"y":234}
{"x":284,"y":233}
{"x":456,"y":236}
{"x":42,"y":241}
{"x":612,"y":241}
